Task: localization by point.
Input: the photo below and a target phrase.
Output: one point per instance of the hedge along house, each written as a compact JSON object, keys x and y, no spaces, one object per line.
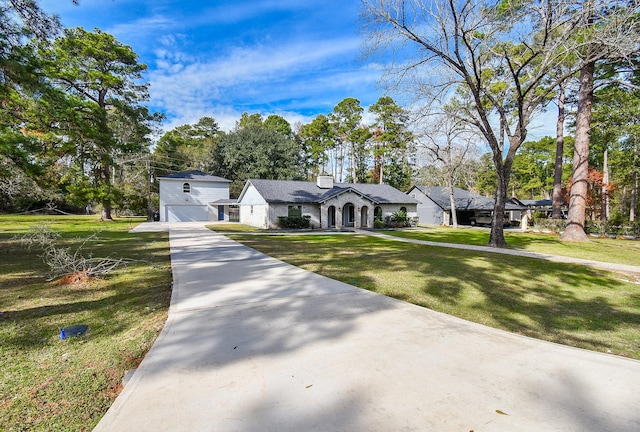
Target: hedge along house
{"x":194,"y":196}
{"x":434,"y":206}
{"x":329,"y":205}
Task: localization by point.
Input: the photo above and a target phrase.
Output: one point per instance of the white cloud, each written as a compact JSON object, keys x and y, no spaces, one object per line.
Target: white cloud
{"x":267,"y":79}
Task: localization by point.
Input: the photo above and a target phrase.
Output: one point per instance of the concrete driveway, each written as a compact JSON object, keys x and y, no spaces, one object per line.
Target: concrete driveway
{"x":254,"y":344}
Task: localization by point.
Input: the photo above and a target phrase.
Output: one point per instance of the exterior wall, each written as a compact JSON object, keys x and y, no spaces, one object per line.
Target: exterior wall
{"x":256,"y":215}
{"x":201,"y":194}
{"x":429,"y":212}
{"x":254,"y":210}
{"x":277,"y":210}
{"x":339,"y":202}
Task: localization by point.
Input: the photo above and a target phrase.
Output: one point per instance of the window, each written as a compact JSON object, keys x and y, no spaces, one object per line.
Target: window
{"x":251,"y":209}
{"x":403,"y":209}
{"x":294,"y":211}
{"x":186,"y":188}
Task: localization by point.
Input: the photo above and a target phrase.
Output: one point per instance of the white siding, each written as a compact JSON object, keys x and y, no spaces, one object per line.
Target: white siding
{"x":255,"y":215}
{"x":254,"y":210}
{"x":202,"y":193}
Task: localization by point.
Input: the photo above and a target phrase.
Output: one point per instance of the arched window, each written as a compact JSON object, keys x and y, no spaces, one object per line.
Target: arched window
{"x":377,"y":213}
{"x":403,"y":209}
{"x":186,"y":188}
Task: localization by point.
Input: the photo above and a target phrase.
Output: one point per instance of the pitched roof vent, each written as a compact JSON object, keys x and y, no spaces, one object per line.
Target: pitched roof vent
{"x":325,"y":181}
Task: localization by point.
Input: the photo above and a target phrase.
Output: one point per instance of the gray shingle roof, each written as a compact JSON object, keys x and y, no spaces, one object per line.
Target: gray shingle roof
{"x":464,"y":200}
{"x":195,"y":175}
{"x":285,"y":191}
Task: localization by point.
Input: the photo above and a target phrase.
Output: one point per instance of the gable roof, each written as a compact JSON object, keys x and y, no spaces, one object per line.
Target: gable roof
{"x":464,"y":200}
{"x":291,"y":191}
{"x":194,"y":175}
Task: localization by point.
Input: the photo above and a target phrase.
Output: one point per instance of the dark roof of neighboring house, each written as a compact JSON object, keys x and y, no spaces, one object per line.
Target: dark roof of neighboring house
{"x":464,"y":200}
{"x":291,"y":191}
{"x":537,"y":203}
{"x":194,"y":175}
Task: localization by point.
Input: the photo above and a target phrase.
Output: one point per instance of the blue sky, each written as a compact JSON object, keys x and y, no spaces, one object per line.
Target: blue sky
{"x":295,"y":58}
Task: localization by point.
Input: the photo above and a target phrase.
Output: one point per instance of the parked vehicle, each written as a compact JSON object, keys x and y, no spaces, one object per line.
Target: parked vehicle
{"x":485,"y":218}
{"x":482,"y":218}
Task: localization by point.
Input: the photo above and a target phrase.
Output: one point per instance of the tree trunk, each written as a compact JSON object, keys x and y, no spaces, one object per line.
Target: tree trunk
{"x":575,"y":229}
{"x":634,"y":184}
{"x":496,"y":239}
{"x":634,"y":197}
{"x":557,"y":171}
{"x":605,"y":187}
{"x":354,"y":173}
{"x":452,"y":200}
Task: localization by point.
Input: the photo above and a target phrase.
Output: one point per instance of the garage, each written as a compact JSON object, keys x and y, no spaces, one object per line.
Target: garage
{"x":186,"y":213}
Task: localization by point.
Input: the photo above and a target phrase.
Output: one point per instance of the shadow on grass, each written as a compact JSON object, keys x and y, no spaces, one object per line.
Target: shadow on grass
{"x":557,"y":302}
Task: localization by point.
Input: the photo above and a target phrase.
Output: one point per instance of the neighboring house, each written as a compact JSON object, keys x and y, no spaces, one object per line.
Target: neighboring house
{"x":329,"y":205}
{"x":434,"y":206}
{"x":194,"y":196}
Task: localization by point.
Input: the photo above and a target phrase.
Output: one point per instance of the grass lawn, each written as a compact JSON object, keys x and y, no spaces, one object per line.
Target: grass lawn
{"x":51,"y":384}
{"x":562,"y":303}
{"x":233,"y":227}
{"x":599,"y":249}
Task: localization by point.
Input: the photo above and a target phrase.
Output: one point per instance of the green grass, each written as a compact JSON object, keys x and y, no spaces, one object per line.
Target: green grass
{"x":599,"y":249}
{"x":52,"y":384}
{"x":233,"y":228}
{"x":562,"y":303}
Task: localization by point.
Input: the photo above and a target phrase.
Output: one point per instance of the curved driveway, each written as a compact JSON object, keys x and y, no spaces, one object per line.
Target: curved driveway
{"x":254,"y":344}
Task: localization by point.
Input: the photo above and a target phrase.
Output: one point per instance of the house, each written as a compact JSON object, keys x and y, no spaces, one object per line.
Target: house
{"x":328,"y":204}
{"x":194,"y":196}
{"x":434,"y":206}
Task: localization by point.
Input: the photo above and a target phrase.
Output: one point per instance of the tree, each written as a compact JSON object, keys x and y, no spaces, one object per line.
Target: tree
{"x":616,"y":131}
{"x":255,"y":151}
{"x":450,"y":143}
{"x":391,"y":136}
{"x":186,"y":146}
{"x":278,"y":124}
{"x":247,"y":120}
{"x":345,"y":120}
{"x":607,"y":30}
{"x":497,"y":56}
{"x":22,"y":23}
{"x":318,"y":140}
{"x":101,"y":79}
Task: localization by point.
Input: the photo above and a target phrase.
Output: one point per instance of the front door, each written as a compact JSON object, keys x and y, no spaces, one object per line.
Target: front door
{"x":331,"y":217}
{"x":348,"y":215}
{"x":220,"y":212}
{"x":364,"y":217}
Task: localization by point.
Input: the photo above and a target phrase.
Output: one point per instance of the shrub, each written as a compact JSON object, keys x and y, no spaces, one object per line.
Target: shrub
{"x":553,"y":225}
{"x":294,"y":222}
{"x":378,"y":224}
{"x":399,"y":219}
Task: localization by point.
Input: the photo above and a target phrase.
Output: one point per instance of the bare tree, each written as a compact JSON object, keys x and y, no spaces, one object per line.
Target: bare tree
{"x":449,"y":143}
{"x":498,"y":56}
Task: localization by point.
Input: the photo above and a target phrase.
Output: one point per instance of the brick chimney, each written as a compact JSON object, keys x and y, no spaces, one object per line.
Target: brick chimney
{"x":325,"y":181}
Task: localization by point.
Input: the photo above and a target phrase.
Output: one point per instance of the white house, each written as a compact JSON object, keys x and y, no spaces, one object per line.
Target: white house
{"x":329,"y":205}
{"x":194,"y":196}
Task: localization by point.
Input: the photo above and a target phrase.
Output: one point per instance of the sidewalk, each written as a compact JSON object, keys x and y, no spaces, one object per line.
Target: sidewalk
{"x":254,"y":344}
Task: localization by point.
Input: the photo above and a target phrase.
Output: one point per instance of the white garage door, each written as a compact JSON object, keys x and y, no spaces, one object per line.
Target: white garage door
{"x":187,"y":213}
